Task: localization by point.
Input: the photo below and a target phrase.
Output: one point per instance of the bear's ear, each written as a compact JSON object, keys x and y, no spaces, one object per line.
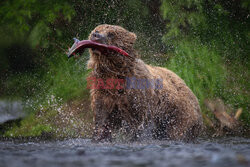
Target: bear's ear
{"x":133,"y":37}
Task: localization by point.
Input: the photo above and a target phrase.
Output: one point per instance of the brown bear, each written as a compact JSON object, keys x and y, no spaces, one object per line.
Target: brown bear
{"x":169,"y":110}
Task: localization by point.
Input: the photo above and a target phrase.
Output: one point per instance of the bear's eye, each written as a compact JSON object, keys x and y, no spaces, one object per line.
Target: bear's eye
{"x":111,"y":35}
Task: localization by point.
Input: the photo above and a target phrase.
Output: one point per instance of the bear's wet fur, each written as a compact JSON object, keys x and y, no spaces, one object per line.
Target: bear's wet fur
{"x":172,"y":112}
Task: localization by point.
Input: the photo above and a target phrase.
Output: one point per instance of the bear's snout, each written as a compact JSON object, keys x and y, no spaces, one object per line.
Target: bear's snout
{"x":97,"y":37}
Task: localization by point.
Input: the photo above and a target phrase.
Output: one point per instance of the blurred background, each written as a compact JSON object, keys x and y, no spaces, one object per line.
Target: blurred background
{"x":206,"y":42}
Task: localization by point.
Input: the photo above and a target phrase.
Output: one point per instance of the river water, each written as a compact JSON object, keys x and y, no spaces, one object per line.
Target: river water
{"x":220,"y":152}
{"x":10,"y":110}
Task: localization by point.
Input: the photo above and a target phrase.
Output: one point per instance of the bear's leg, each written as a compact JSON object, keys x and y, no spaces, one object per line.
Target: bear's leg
{"x":183,"y":130}
{"x":160,"y":126}
{"x":102,"y":131}
{"x":175,"y":127}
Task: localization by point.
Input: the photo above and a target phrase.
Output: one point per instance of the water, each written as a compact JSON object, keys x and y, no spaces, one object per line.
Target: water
{"x":82,"y":152}
{"x":10,"y":110}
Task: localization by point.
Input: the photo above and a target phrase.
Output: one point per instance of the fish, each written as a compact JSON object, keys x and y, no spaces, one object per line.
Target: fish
{"x":80,"y":46}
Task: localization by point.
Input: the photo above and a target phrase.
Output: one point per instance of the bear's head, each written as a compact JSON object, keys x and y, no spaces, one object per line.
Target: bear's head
{"x":114,"y":35}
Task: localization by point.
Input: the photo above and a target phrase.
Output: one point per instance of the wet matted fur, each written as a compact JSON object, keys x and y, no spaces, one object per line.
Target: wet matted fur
{"x":171,"y":112}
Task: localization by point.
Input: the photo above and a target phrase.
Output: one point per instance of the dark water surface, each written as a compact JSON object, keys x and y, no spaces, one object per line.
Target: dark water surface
{"x":10,"y":110}
{"x":222,"y":152}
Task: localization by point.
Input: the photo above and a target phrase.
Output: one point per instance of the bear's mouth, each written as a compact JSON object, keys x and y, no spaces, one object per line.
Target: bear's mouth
{"x":80,"y":46}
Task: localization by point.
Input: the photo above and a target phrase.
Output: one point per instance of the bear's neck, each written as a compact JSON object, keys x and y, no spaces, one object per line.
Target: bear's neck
{"x":112,"y":67}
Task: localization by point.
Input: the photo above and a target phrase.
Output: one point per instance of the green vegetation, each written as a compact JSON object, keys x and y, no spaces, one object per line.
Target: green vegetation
{"x":206,"y":73}
{"x":31,"y":126}
{"x":211,"y":53}
{"x":204,"y":42}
